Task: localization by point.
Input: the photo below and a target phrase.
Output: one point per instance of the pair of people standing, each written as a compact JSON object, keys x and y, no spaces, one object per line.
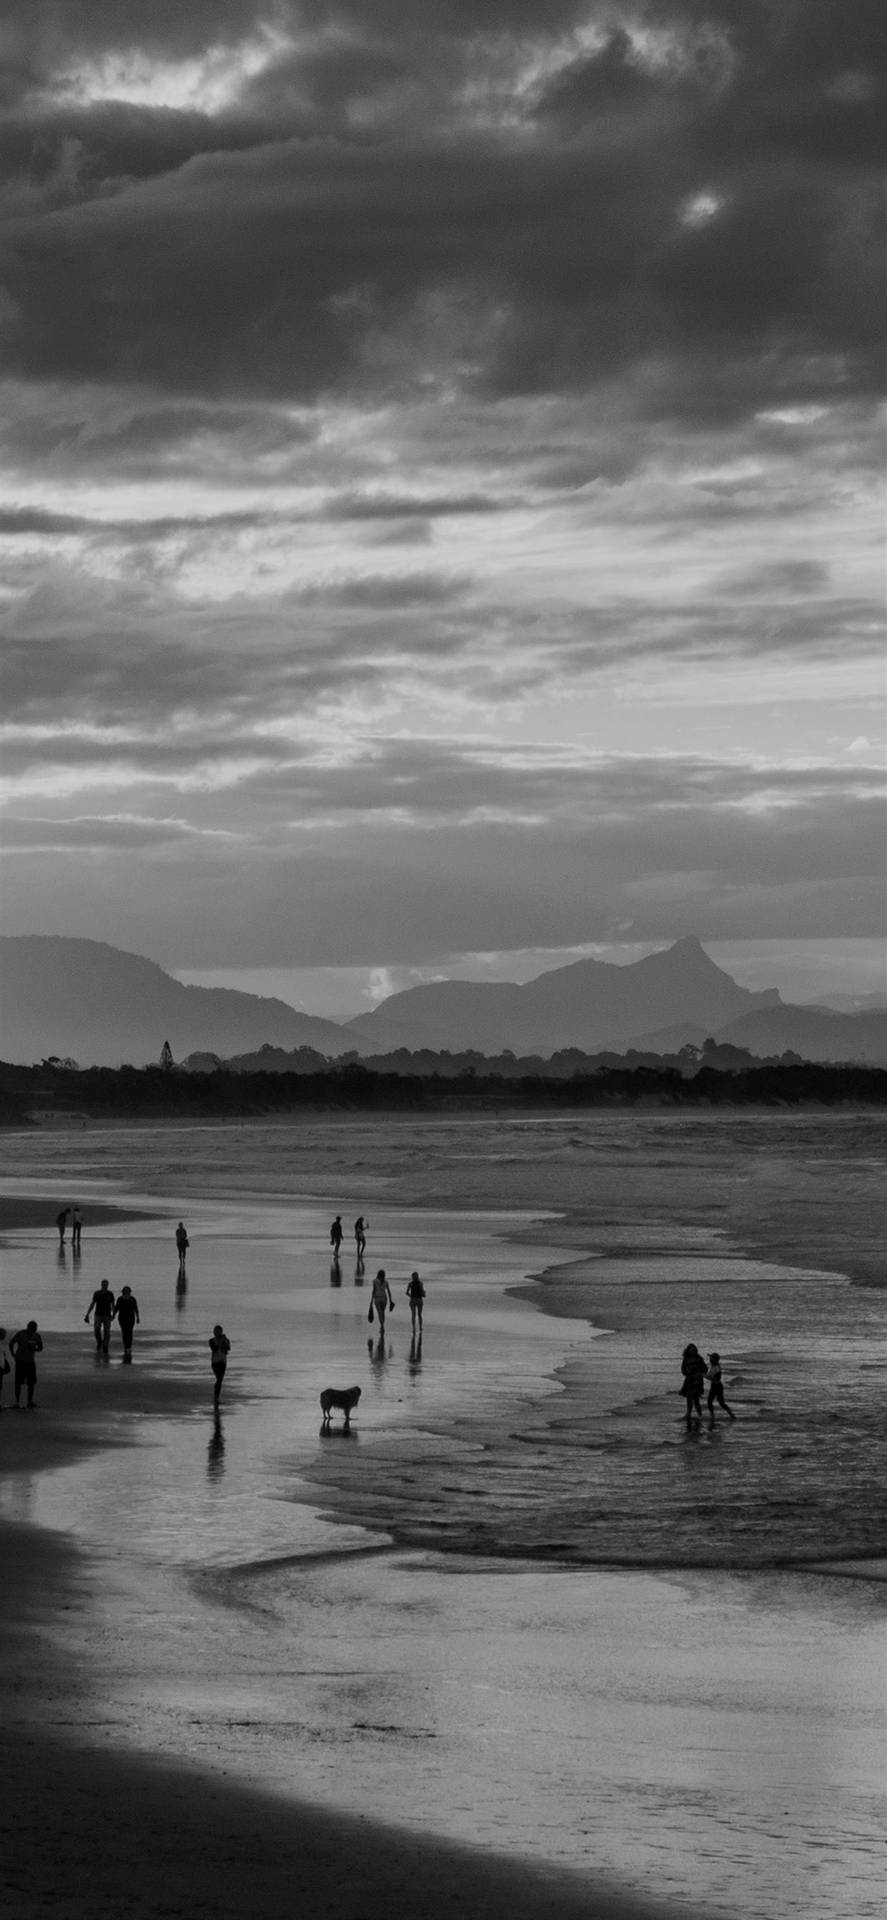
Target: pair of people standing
{"x":103,"y":1308}
{"x":695,"y":1373}
{"x":61,"y":1221}
{"x":337,"y":1235}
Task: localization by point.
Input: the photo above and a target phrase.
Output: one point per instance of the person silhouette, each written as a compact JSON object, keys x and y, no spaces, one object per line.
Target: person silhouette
{"x":76,"y":1229}
{"x":101,"y":1307}
{"x":219,"y":1348}
{"x":336,"y":1235}
{"x":416,"y":1296}
{"x":128,"y":1317}
{"x":61,"y":1221}
{"x":24,"y":1347}
{"x":4,"y":1358}
{"x":382,"y":1299}
{"x":182,"y":1244}
{"x":716,"y":1388}
{"x":693,"y":1371}
{"x":360,"y":1237}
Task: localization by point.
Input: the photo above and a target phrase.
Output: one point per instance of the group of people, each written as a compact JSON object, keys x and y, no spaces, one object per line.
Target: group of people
{"x":694,"y":1373}
{"x":337,"y":1235}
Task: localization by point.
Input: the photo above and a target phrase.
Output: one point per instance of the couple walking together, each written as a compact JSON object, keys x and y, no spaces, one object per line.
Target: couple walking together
{"x":695,"y":1373}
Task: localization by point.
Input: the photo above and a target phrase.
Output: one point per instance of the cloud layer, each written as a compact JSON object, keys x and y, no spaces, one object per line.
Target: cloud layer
{"x":439,"y":469}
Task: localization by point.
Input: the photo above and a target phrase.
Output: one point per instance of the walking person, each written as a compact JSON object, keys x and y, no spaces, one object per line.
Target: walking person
{"x":182,"y":1244}
{"x":128,"y":1317}
{"x":693,"y":1371}
{"x":24,"y":1347}
{"x":219,"y":1349}
{"x":382,"y":1299}
{"x":5,"y":1367}
{"x":716,"y":1388}
{"x":416,"y":1296}
{"x":61,"y":1221}
{"x":101,"y":1307}
{"x":76,"y":1229}
{"x":336,"y":1235}
{"x":360,"y":1236}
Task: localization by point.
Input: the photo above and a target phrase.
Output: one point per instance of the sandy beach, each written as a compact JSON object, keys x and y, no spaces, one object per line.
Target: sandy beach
{"x":558,"y":1662}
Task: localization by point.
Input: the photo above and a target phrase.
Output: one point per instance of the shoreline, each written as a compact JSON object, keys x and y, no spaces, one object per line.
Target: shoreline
{"x":189,"y":1812}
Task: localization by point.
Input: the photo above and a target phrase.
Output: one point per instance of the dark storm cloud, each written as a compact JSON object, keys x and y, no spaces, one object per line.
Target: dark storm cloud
{"x":543,"y":249}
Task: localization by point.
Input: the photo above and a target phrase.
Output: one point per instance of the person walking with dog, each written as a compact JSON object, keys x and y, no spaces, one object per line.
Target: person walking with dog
{"x":382,"y":1299}
{"x":219,"y":1349}
{"x":24,"y":1347}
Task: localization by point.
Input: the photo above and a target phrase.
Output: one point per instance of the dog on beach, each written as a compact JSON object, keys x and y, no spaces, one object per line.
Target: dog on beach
{"x":344,"y":1397}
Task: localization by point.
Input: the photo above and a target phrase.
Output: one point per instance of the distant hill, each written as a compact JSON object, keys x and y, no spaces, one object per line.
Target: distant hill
{"x":265,"y":1059}
{"x":813,"y":1032}
{"x":83,"y":999}
{"x":590,"y":1005}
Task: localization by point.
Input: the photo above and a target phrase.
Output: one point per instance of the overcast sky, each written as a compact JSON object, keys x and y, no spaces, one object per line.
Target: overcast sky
{"x":441,"y":516}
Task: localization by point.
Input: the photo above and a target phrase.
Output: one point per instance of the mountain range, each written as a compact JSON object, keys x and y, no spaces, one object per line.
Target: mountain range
{"x":88,"y":1001}
{"x":82,"y":999}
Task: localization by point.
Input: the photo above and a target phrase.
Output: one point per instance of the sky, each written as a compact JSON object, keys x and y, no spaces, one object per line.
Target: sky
{"x":441,"y":486}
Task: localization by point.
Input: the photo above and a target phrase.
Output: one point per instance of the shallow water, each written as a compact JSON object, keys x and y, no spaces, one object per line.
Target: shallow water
{"x":712,"y":1735}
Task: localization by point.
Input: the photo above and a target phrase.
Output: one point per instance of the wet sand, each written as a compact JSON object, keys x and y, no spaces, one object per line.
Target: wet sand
{"x":488,"y":1486}
{"x":95,"y":1834}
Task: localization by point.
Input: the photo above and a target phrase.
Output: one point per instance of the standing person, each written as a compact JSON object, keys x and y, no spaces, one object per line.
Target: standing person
{"x":76,"y":1230}
{"x":61,"y":1221}
{"x":219,"y":1349}
{"x":182,"y":1244}
{"x":4,"y":1358}
{"x":360,"y":1236}
{"x":693,"y":1370}
{"x":101,"y":1307}
{"x":716,"y":1388}
{"x":24,"y":1347}
{"x":415,"y":1296}
{"x":381,"y":1300}
{"x":336,"y":1235}
{"x":128,"y":1317}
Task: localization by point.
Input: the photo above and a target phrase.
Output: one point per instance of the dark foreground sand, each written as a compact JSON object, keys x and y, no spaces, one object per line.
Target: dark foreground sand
{"x":89,"y":1832}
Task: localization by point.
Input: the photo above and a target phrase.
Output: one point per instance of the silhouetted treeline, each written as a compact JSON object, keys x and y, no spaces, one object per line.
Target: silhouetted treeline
{"x":150,"y":1092}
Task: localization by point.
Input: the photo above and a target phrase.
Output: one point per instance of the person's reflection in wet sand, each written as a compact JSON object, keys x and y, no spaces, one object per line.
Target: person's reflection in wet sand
{"x":215,"y":1453}
{"x":415,"y":1362}
{"x":61,"y":1258}
{"x":181,"y":1289}
{"x":335,"y":1274}
{"x":380,"y":1353}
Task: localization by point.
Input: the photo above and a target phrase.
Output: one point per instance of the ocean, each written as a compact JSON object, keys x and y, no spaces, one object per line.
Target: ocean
{"x":517,"y":1604}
